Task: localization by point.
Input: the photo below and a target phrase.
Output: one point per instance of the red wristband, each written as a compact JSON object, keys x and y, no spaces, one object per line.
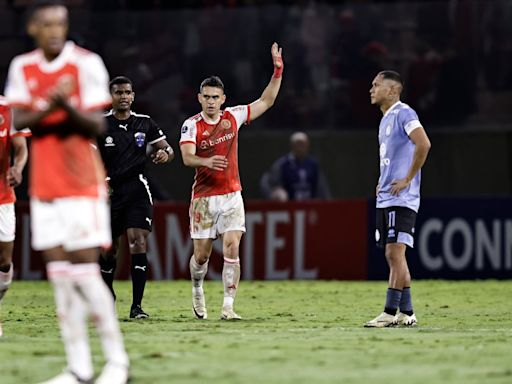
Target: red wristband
{"x":278,"y":72}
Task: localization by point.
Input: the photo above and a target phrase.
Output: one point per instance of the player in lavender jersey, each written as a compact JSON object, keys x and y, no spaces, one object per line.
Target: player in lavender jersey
{"x":403,"y":149}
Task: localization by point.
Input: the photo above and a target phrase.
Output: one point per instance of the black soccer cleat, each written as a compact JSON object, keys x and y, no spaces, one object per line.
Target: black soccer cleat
{"x":136,"y":312}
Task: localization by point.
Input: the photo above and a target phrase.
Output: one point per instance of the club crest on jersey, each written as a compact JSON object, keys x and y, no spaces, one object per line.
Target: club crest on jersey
{"x":226,"y":124}
{"x":109,"y":141}
{"x":388,"y":130}
{"x":204,"y":144}
{"x":140,"y":138}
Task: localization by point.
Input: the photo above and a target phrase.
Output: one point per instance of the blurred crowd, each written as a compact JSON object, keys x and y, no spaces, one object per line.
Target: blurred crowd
{"x":455,"y":56}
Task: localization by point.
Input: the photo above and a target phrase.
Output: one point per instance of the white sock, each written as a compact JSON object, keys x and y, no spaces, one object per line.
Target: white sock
{"x":101,"y":306}
{"x":72,"y":315}
{"x":197,"y":275}
{"x":230,"y":278}
{"x":5,"y":281}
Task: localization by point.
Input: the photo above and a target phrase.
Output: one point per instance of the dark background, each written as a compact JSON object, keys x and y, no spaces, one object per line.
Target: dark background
{"x":455,"y":57}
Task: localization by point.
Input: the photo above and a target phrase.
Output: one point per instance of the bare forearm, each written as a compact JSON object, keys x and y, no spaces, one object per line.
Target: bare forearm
{"x":86,"y":123}
{"x":193,"y":161}
{"x":20,"y":154}
{"x":269,"y":95}
{"x":419,"y":158}
{"x":23,"y":118}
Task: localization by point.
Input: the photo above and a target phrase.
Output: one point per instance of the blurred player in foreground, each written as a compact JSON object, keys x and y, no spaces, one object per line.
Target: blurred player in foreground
{"x":10,"y":177}
{"x":209,"y":143}
{"x":403,"y":148}
{"x":123,"y":149}
{"x":58,"y":91}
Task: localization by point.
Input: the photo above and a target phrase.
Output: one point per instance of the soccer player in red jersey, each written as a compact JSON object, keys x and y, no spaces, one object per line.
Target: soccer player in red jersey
{"x":209,"y":143}
{"x":10,"y":177}
{"x":59,"y":91}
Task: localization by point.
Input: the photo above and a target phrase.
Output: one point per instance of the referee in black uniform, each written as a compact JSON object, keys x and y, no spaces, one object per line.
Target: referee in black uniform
{"x":124,"y":150}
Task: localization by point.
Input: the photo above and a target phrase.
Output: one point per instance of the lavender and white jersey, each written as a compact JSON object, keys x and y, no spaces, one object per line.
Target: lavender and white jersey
{"x":396,"y":154}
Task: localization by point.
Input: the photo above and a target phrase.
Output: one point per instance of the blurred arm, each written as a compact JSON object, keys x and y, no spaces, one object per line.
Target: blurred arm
{"x":14,"y":174}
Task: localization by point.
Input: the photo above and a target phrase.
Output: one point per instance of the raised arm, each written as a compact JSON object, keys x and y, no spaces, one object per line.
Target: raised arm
{"x":267,"y":98}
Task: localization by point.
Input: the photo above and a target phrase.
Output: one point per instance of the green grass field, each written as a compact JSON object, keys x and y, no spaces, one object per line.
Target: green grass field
{"x":292,"y":332}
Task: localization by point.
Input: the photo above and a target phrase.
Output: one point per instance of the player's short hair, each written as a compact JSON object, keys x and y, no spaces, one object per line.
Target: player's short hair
{"x":212,"y":81}
{"x":392,"y":75}
{"x":40,"y":4}
{"x":119,"y":80}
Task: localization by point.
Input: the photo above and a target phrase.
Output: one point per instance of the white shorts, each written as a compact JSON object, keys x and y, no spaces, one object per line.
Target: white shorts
{"x":74,"y":223}
{"x":211,"y":216}
{"x":7,"y":222}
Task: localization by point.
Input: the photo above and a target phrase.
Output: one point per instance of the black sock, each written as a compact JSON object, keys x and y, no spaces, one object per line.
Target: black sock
{"x":139,"y":277}
{"x":108,"y":269}
{"x":393,"y":297}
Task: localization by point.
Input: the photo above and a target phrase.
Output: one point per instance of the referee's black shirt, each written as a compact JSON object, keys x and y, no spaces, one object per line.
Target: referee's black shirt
{"x":123,"y":146}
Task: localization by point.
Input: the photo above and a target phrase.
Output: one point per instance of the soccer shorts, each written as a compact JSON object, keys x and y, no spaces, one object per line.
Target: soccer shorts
{"x":7,"y":222}
{"x":395,"y":225}
{"x":131,"y":206}
{"x":211,"y":216}
{"x":74,"y":223}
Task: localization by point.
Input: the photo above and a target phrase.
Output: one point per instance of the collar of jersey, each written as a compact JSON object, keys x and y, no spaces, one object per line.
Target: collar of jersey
{"x":207,"y":121}
{"x":59,"y":61}
{"x":392,"y":107}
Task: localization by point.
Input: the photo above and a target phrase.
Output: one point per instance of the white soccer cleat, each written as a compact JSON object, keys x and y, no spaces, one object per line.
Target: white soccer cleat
{"x":199,"y":306}
{"x":406,"y":320}
{"x":228,"y":314}
{"x":65,"y":377}
{"x":381,"y":321}
{"x":113,"y":374}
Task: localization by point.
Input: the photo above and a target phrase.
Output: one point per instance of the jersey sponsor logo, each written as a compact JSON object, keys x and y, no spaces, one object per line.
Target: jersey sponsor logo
{"x":184,"y":129}
{"x":226,"y":137}
{"x":384,"y":161}
{"x":109,"y":141}
{"x":3,"y":133}
{"x":210,"y":143}
{"x":140,"y":138}
{"x":125,"y":127}
{"x":226,"y":124}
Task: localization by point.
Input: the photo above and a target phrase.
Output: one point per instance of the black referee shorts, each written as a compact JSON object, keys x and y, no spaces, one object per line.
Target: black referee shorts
{"x":395,"y":225}
{"x":131,"y":206}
